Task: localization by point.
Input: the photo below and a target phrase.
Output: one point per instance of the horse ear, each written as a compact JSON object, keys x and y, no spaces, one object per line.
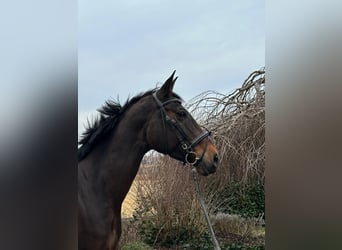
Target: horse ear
{"x":167,"y":87}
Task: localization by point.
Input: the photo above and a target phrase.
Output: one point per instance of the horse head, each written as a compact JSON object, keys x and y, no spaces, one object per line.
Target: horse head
{"x":173,"y":131}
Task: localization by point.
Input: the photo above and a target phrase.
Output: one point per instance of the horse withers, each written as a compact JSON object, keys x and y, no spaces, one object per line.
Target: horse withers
{"x":113,"y":146}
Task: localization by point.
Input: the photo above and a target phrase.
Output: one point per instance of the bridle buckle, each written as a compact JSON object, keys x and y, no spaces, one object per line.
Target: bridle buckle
{"x":184,"y":146}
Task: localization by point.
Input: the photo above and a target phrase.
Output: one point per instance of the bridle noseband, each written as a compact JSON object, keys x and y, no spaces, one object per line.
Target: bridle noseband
{"x":186,"y":144}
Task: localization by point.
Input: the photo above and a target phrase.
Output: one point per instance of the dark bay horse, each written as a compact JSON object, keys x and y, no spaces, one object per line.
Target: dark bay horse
{"x":111,"y":151}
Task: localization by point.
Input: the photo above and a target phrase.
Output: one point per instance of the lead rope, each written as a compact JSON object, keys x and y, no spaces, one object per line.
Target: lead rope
{"x":200,"y":198}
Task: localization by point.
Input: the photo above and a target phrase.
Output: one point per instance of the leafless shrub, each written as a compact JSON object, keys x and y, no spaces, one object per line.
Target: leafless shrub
{"x":167,"y":201}
{"x":226,"y":224}
{"x":238,"y":124}
{"x":129,"y":232}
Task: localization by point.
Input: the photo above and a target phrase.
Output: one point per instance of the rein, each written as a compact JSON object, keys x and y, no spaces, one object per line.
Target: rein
{"x":204,"y":208}
{"x":191,"y":157}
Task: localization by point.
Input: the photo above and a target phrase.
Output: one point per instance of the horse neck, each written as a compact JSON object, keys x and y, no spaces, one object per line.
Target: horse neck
{"x":129,"y":148}
{"x":117,"y":160}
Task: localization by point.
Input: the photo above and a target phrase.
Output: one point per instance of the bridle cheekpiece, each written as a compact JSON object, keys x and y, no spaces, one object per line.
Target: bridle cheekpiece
{"x":186,"y":144}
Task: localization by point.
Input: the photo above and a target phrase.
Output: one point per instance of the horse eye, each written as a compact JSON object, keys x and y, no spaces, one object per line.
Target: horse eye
{"x":181,"y":113}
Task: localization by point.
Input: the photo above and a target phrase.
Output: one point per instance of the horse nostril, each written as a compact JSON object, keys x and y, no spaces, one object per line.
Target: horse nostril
{"x":216,"y":159}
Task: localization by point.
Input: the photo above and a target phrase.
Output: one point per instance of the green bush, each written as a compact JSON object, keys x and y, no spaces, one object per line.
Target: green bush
{"x":247,"y":201}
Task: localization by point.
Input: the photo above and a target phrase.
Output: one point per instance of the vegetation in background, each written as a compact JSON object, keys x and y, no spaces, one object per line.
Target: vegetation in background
{"x":168,"y":215}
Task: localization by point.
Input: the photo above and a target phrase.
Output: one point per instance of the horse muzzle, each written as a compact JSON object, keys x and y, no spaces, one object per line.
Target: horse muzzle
{"x":208,"y":165}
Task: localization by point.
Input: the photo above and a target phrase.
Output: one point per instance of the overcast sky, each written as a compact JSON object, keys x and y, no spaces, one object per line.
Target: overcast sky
{"x":127,"y":47}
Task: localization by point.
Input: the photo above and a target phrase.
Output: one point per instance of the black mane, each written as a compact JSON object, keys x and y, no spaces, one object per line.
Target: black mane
{"x":110,"y":115}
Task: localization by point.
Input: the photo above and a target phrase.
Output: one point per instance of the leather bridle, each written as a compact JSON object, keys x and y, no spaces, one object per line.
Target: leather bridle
{"x":187,"y":145}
